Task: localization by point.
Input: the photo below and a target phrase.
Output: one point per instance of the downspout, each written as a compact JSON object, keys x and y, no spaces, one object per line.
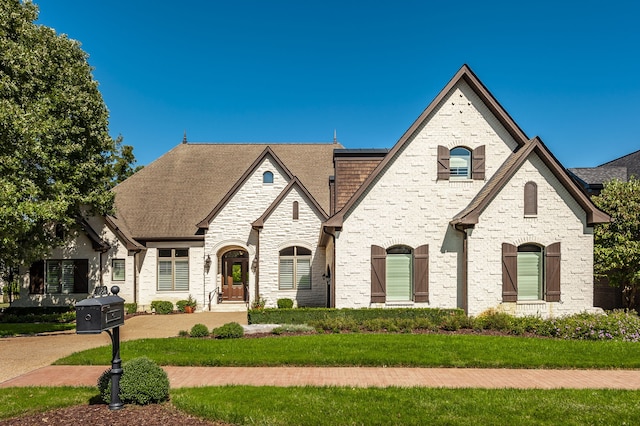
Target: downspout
{"x":332,"y":280}
{"x":256,"y":273}
{"x":135,"y":277}
{"x":465,"y":268}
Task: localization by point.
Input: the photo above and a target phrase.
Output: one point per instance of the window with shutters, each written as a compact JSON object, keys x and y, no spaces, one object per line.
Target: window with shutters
{"x":173,"y":269}
{"x":530,"y":272}
{"x":399,"y":273}
{"x":294,"y":269}
{"x":67,"y":276}
{"x":460,"y":163}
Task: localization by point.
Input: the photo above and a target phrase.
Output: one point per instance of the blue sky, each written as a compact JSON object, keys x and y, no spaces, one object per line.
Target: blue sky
{"x":293,"y":71}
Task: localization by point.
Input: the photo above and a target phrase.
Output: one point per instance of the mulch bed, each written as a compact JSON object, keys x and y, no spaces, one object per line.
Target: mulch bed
{"x":100,"y":415}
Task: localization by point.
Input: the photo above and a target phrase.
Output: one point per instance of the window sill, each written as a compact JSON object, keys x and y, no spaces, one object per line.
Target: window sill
{"x":530,"y":216}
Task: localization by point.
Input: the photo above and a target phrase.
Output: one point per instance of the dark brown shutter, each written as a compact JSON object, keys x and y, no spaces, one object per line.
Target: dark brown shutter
{"x":509,"y":273}
{"x":81,"y":276}
{"x":552,"y":262}
{"x":443,"y":163}
{"x":36,"y":277}
{"x":530,"y":198}
{"x":477,"y":163}
{"x":421,"y":273}
{"x":378,"y":274}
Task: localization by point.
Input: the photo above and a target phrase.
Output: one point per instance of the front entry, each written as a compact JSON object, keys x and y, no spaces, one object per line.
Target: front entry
{"x":235,"y":276}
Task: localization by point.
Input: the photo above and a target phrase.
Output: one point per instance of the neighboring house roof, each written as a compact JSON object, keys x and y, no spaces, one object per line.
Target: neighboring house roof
{"x":599,"y":175}
{"x":630,"y":161}
{"x":294,"y":183}
{"x":469,"y":216}
{"x":168,"y":198}
{"x":464,"y":73}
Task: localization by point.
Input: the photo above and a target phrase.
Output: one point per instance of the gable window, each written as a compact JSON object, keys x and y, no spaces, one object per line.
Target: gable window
{"x":295,"y":268}
{"x":399,"y":274}
{"x":296,"y":210}
{"x":530,"y":199}
{"x":460,"y":163}
{"x":267,"y":177}
{"x":530,"y":272}
{"x":67,"y":276}
{"x":173,"y":269}
{"x":117,"y":270}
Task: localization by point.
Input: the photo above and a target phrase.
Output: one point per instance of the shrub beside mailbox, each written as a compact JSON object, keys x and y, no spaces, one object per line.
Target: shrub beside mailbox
{"x":105,"y":313}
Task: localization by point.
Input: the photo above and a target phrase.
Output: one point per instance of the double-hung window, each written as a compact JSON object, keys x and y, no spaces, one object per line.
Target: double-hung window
{"x":67,"y":276}
{"x":173,"y":269}
{"x":295,"y":268}
{"x":117,"y":269}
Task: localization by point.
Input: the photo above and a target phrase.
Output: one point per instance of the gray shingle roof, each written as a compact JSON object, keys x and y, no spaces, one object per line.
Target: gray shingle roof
{"x":169,"y":197}
{"x":600,"y":174}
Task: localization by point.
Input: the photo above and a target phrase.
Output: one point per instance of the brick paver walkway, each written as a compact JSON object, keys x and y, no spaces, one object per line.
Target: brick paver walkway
{"x":351,"y":376}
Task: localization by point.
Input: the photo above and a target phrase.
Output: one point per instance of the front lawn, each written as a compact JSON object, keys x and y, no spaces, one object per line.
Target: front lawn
{"x":399,"y":350}
{"x":16,"y":329}
{"x":371,"y":406}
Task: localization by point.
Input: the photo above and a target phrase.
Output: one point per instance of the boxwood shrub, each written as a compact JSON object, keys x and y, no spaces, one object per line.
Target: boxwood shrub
{"x":162,"y":307}
{"x":142,"y":382}
{"x":199,"y":330}
{"x":308,"y":315}
{"x":285,"y":303}
{"x":231,"y":330}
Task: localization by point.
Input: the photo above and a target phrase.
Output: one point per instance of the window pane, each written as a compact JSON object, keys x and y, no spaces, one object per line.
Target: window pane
{"x":66,"y":282}
{"x":182,"y":276}
{"x":165,"y":275}
{"x":529,"y":275}
{"x":460,"y":163}
{"x":301,"y":251}
{"x":267,"y":177}
{"x":117,"y":270}
{"x":164,"y":252}
{"x":399,"y":277}
{"x":53,"y":276}
{"x":182,"y":252}
{"x":303,"y":273}
{"x":286,"y":274}
{"x":287,"y":251}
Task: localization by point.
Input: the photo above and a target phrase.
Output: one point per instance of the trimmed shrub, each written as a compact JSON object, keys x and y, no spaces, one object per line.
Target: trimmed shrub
{"x":162,"y":307}
{"x":199,"y":330}
{"x":285,"y":303}
{"x":293,"y":328}
{"x":131,"y":308}
{"x":231,"y":330}
{"x":143,"y":382}
{"x":180,"y":304}
{"x":183,"y":333}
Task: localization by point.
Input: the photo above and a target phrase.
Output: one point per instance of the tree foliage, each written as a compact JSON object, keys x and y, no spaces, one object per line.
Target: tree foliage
{"x":617,"y":244}
{"x":56,"y":156}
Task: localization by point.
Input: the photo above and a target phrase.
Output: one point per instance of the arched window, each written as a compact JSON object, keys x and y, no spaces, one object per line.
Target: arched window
{"x":530,"y":199}
{"x":399,"y":273}
{"x":460,"y":163}
{"x":267,"y":177}
{"x":295,"y":268}
{"x":296,"y":210}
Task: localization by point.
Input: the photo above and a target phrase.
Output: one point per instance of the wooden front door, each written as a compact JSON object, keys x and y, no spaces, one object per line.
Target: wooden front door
{"x":235,"y":279}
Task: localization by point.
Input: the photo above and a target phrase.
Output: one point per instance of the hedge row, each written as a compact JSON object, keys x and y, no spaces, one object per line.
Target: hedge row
{"x":308,"y":315}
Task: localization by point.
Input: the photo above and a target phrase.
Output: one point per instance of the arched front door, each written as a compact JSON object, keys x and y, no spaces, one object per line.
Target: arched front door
{"x":235,"y":284}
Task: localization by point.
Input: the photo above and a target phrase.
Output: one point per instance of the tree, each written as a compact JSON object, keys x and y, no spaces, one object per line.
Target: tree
{"x":123,"y":162}
{"x":617,"y":244}
{"x":56,"y":155}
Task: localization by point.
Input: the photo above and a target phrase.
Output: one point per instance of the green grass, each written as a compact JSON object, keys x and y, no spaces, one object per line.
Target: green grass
{"x":408,"y":406}
{"x":24,"y":401}
{"x":371,"y":406}
{"x":406,"y":350}
{"x":15,"y":329}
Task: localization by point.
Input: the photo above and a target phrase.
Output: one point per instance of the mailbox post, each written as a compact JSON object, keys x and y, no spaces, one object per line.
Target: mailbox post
{"x":105,"y":313}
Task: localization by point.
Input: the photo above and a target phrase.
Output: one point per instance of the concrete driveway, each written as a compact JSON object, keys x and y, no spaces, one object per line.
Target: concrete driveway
{"x":19,"y":355}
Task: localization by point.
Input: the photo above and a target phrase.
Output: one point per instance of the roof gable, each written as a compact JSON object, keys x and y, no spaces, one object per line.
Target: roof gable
{"x":294,"y":183}
{"x":464,"y":74}
{"x":470,"y":215}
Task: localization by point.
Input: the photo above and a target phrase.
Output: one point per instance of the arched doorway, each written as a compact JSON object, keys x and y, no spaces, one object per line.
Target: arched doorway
{"x":235,"y":276}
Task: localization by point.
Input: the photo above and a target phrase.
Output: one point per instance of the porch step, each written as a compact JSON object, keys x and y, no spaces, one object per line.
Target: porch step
{"x":227,"y":307}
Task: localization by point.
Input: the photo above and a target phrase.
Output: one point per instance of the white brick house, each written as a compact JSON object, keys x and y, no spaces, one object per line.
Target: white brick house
{"x":464,"y":211}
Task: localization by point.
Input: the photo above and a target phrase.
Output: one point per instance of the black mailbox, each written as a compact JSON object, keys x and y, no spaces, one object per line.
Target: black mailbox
{"x":97,"y":314}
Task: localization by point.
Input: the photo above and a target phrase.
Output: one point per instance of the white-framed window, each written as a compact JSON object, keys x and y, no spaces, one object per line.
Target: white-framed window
{"x":294,"y":268}
{"x":117,"y":270}
{"x":399,"y":274}
{"x":460,"y":163}
{"x":530,"y":272}
{"x":267,"y":178}
{"x":173,"y":269}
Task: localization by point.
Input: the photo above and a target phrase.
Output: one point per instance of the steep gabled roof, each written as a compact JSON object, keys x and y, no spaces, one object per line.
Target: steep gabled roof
{"x":463,"y":74}
{"x":169,"y":197}
{"x":129,"y":242}
{"x":294,"y":183}
{"x":97,"y":243}
{"x":469,"y":216}
{"x":267,"y":153}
